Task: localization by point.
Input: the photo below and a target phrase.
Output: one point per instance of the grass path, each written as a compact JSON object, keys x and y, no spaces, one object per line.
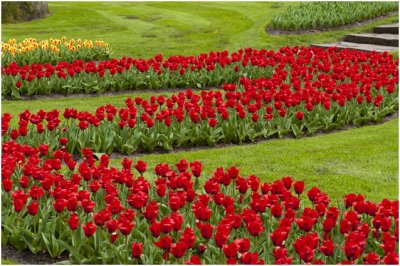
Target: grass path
{"x":143,"y":29}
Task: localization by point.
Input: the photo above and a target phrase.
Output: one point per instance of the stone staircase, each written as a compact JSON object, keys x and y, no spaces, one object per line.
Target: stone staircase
{"x":383,"y":38}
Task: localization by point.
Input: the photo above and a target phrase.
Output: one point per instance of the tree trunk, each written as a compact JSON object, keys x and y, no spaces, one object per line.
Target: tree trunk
{"x":14,"y":12}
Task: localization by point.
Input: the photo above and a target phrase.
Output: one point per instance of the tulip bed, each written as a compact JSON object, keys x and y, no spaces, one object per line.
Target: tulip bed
{"x":31,"y":51}
{"x":310,"y":90}
{"x":101,"y":214}
{"x":212,"y":69}
{"x":322,"y":15}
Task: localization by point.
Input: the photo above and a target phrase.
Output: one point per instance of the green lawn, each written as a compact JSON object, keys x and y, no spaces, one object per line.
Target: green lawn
{"x":143,"y":29}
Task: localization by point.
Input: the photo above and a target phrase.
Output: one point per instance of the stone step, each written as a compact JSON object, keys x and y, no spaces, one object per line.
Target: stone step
{"x":388,"y":28}
{"x":373,"y":38}
{"x":357,"y":46}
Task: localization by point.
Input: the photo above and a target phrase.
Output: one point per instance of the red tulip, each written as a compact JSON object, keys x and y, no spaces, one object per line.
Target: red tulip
{"x":242,"y":244}
{"x":137,"y":250}
{"x":33,"y":208}
{"x":178,"y":250}
{"x":299,"y":187}
{"x":201,"y":248}
{"x":59,"y":205}
{"x":73,"y":221}
{"x":287,"y":182}
{"x":196,"y":168}
{"x":206,"y":230}
{"x":18,"y":84}
{"x":391,"y":259}
{"x":194,"y":260}
{"x":230,"y":251}
{"x":44,"y":149}
{"x":164,"y":243}
{"x":7,"y":184}
{"x":249,"y":258}
{"x":212,"y":122}
{"x":63,"y":141}
{"x":113,"y":237}
{"x":278,"y":236}
{"x":276,"y":210}
{"x":352,"y":250}
{"x":126,"y":164}
{"x":371,"y":258}
{"x":327,"y":247}
{"x":182,"y":165}
{"x":140,"y":166}
{"x":112,"y":226}
{"x":89,"y":229}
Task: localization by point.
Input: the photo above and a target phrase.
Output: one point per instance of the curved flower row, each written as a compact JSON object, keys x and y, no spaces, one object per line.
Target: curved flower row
{"x":324,"y":90}
{"x":325,"y":15}
{"x":31,"y":51}
{"x":212,"y":69}
{"x":101,"y":214}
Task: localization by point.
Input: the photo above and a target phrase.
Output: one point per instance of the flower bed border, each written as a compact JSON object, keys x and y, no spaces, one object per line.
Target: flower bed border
{"x":271,"y":31}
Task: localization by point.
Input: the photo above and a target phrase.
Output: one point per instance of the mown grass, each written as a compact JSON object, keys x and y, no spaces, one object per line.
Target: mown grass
{"x":144,"y":29}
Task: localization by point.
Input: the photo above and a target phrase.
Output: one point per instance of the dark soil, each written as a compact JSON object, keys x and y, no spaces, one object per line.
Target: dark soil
{"x":139,"y":153}
{"x":108,"y":93}
{"x":27,"y":257}
{"x":131,"y":17}
{"x":313,"y":31}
